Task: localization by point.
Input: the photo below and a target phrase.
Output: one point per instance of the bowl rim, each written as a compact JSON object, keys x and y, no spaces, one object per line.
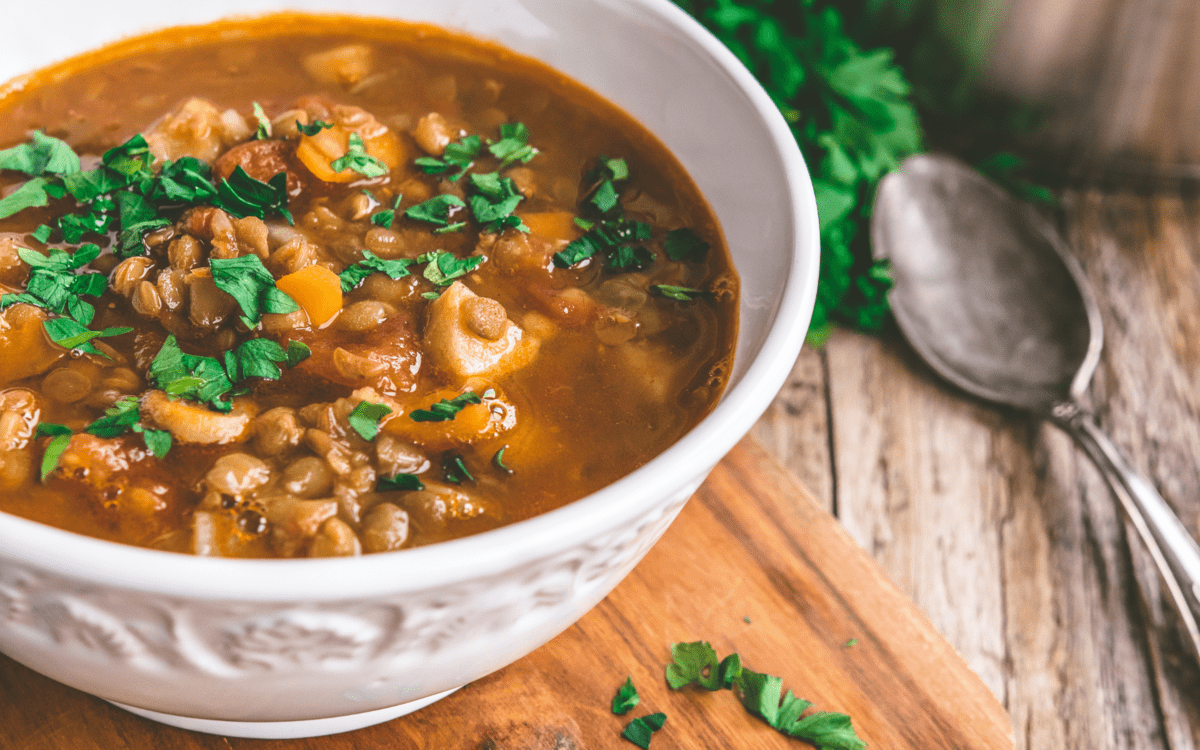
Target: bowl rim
{"x":521,"y":543}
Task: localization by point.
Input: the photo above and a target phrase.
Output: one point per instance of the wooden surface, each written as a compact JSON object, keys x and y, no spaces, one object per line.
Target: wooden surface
{"x":751,"y":544}
{"x":997,"y":527}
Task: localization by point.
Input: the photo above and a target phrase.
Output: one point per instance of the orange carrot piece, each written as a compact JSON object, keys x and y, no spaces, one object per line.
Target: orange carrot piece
{"x":315,"y":288}
{"x":553,"y":225}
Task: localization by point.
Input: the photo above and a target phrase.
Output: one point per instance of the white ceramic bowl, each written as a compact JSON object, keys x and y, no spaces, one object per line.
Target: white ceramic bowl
{"x":280,"y":648}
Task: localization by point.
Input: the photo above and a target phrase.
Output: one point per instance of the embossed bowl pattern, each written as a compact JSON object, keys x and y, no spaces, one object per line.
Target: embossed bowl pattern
{"x":275,"y":648}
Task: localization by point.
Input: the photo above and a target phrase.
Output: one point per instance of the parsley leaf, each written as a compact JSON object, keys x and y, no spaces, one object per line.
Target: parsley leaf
{"x":252,"y":285}
{"x":316,"y":127}
{"x":436,"y":210}
{"x":358,"y":160}
{"x":158,"y":442}
{"x":117,"y":419}
{"x":138,"y":216}
{"x":400,"y":483}
{"x":297,"y":352}
{"x":498,"y":461}
{"x":386,"y":217}
{"x":693,"y":663}
{"x":683,"y":244}
{"x":184,"y":375}
{"x":353,"y":275}
{"x":443,"y":268}
{"x":639,"y":731}
{"x":762,"y":695}
{"x":446,"y":409}
{"x":619,"y":238}
{"x":184,"y":180}
{"x":46,"y":155}
{"x":69,"y":334}
{"x":461,"y":154}
{"x":42,"y":233}
{"x":365,"y":418}
{"x":30,"y":194}
{"x":681,"y":293}
{"x":263,"y":131}
{"x":626,"y":698}
{"x":454,"y":469}
{"x":53,"y":285}
{"x":493,"y":201}
{"x":257,"y":358}
{"x":513,"y":144}
{"x":242,"y":195}
{"x":60,"y":438}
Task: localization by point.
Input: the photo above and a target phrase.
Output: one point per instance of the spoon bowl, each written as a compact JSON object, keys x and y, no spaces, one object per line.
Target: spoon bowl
{"x":988,"y":294}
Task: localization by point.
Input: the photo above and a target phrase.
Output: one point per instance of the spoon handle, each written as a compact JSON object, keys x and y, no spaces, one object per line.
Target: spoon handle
{"x":1174,"y":550}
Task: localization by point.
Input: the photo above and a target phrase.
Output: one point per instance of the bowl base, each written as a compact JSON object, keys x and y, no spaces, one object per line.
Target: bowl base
{"x":286,"y":730}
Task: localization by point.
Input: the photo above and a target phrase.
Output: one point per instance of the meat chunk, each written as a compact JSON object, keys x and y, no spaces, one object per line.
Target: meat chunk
{"x":197,"y":129}
{"x":262,"y":160}
{"x":455,"y":344}
{"x":194,"y":423}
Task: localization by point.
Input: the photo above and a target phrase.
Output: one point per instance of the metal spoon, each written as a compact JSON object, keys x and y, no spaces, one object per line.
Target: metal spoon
{"x":987,"y":293}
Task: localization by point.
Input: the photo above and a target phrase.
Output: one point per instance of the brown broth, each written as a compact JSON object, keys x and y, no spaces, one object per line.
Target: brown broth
{"x":587,"y":412}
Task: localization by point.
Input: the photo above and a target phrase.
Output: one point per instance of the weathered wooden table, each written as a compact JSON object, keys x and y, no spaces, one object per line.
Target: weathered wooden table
{"x":997,"y":527}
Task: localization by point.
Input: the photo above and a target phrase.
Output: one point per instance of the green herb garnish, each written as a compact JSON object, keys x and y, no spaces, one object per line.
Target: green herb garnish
{"x":626,"y":698}
{"x":138,"y":216}
{"x":762,"y":695}
{"x":386,"y":217}
{"x":460,"y":154}
{"x":60,"y":438}
{"x":70,"y":334}
{"x":263,"y":131}
{"x":454,"y":469}
{"x":365,"y":418}
{"x":358,"y":160}
{"x":316,"y":127}
{"x":681,"y":293}
{"x":498,"y":460}
{"x":513,"y":145}
{"x":54,"y":285}
{"x":619,"y":238}
{"x":639,"y":731}
{"x":436,"y":210}
{"x":124,"y":416}
{"x":252,"y":285}
{"x":443,"y":268}
{"x":493,"y":200}
{"x":45,"y":155}
{"x":400,"y":483}
{"x":353,"y":275}
{"x":297,"y":352}
{"x":242,"y":195}
{"x":446,"y":409}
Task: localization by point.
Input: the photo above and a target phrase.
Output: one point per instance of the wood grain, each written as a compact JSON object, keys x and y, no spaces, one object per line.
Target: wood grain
{"x":1003,"y":533}
{"x":751,"y":544}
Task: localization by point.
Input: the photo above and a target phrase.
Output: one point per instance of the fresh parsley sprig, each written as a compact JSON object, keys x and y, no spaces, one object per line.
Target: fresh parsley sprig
{"x":54,"y":285}
{"x":461,"y":155}
{"x":356,"y":159}
{"x":210,"y":380}
{"x":353,"y":275}
{"x":761,"y":694}
{"x":252,"y":285}
{"x":125,"y":416}
{"x":446,"y":409}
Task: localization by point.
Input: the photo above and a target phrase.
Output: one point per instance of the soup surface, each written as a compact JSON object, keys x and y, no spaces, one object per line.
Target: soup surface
{"x":324,"y":286}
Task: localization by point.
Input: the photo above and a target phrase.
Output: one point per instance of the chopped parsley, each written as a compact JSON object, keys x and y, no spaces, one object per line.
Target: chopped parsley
{"x":762,"y":695}
{"x":605,"y":175}
{"x":263,"y":131}
{"x":45,"y":155}
{"x":850,"y":643}
{"x":209,"y":380}
{"x":400,"y":483}
{"x":683,"y":244}
{"x":498,"y":461}
{"x":454,"y":469}
{"x":460,"y":154}
{"x":182,"y":181}
{"x":138,"y":216}
{"x":252,"y":285}
{"x":626,"y":698}
{"x":316,"y":127}
{"x":513,"y":145}
{"x":493,"y":200}
{"x":70,"y":334}
{"x":54,"y":285}
{"x":436,"y":210}
{"x":639,"y":731}
{"x":386,"y":217}
{"x":124,"y":416}
{"x":42,"y":233}
{"x":446,"y":409}
{"x":60,"y":438}
{"x":356,"y":159}
{"x":242,"y":195}
{"x":30,"y":194}
{"x":681,"y":293}
{"x":442,"y":268}
{"x":620,"y":238}
{"x":365,"y":418}
{"x":353,"y":275}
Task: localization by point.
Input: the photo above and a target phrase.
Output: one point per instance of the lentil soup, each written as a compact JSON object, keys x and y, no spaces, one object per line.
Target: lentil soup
{"x":313,"y":286}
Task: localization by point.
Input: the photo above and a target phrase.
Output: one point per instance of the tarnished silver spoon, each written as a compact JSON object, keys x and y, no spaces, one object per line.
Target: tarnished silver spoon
{"x":986,"y":292}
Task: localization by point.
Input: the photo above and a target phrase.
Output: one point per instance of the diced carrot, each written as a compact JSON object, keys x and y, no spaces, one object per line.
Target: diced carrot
{"x":553,"y":225}
{"x":318,"y":151}
{"x":315,"y":288}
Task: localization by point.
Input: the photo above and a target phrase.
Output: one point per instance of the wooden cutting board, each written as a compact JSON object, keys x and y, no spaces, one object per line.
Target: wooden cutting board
{"x":751,"y":565}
